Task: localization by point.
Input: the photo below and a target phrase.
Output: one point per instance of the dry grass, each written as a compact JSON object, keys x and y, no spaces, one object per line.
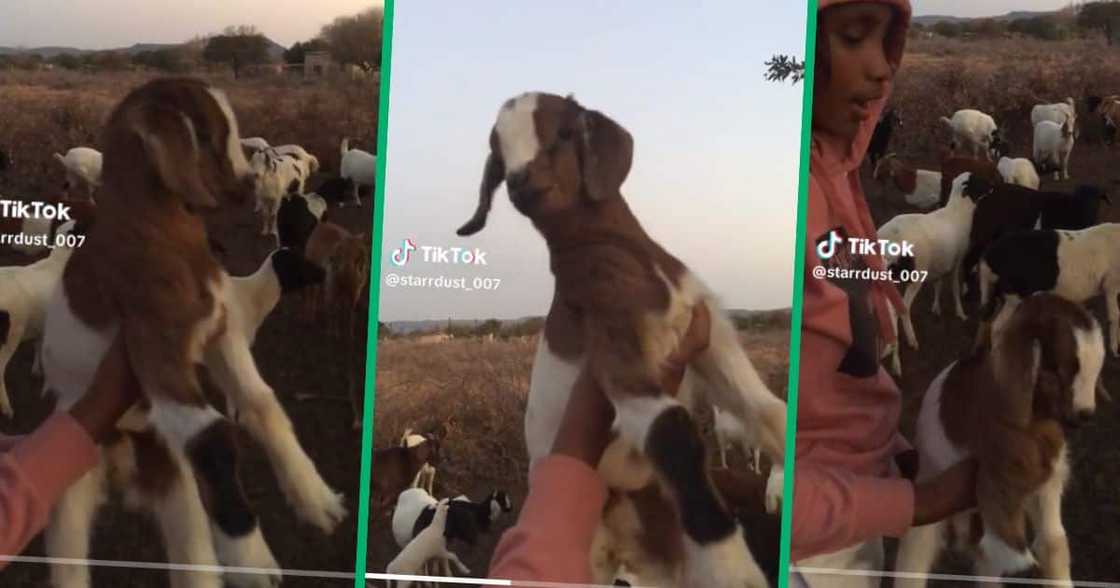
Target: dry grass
{"x":1003,"y":78}
{"x":478,"y":391}
{"x":46,"y":112}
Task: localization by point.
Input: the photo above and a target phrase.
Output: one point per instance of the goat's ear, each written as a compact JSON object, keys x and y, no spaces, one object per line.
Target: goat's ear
{"x":606,"y":152}
{"x":171,"y":146}
{"x":493,"y":173}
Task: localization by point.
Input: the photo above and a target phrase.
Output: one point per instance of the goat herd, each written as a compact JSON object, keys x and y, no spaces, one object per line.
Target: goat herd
{"x":137,"y":230}
{"x":1032,"y":373}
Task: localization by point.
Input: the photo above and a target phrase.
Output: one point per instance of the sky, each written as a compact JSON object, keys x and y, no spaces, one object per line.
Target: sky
{"x":714,"y":177}
{"x":983,"y":8}
{"x":101,"y":24}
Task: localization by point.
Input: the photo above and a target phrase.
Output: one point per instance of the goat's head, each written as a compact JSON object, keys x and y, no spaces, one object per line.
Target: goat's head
{"x":554,"y":155}
{"x":997,"y":144}
{"x":499,"y":504}
{"x":1048,"y":356}
{"x":974,"y":186}
{"x":182,"y":134}
{"x":294,"y":271}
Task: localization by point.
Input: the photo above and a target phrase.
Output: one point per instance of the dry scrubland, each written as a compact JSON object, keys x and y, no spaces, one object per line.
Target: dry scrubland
{"x":478,"y":392}
{"x":51,"y":111}
{"x":1005,"y":79}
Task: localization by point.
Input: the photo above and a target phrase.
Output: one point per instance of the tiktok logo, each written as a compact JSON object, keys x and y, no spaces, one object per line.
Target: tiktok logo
{"x":827,"y":248}
{"x":402,"y":255}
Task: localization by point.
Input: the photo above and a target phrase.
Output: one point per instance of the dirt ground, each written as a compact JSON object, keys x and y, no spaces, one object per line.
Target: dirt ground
{"x":1090,"y":510}
{"x":477,"y":391}
{"x":298,"y":360}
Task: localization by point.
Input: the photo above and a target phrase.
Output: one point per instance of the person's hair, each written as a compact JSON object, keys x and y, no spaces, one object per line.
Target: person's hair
{"x":822,"y":70}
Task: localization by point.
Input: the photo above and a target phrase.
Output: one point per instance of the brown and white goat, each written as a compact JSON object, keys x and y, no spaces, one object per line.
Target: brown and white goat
{"x":1034,"y":369}
{"x":919,"y":187}
{"x":146,"y":273}
{"x":621,"y":305}
{"x":395,"y":468}
{"x":345,"y":258}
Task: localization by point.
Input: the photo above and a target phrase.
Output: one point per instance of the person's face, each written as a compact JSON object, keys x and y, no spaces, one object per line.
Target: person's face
{"x":858,"y":66}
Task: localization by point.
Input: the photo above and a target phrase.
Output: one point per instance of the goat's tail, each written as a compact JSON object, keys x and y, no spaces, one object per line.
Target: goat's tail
{"x":60,"y":158}
{"x":345,"y":146}
{"x":947,"y":122}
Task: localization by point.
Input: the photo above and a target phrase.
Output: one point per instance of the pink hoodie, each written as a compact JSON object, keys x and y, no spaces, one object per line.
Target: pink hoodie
{"x":34,"y":472}
{"x":848,"y":406}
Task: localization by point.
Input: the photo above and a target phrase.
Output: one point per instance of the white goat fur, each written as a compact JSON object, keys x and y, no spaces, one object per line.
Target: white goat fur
{"x":83,"y":167}
{"x":255,"y":143}
{"x":940,"y":240}
{"x":973,"y":130}
{"x":24,"y":291}
{"x":1053,"y":143}
{"x":1019,"y":171}
{"x":1059,"y":112}
{"x":357,"y":166}
{"x":275,"y":174}
{"x":429,"y":544}
{"x":920,"y":547}
{"x":729,"y":430}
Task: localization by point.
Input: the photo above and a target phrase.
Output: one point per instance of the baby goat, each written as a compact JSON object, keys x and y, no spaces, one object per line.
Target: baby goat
{"x":83,"y":167}
{"x":357,"y":166}
{"x":563,"y":166}
{"x":429,"y":544}
{"x":146,"y":274}
{"x":1035,"y":369}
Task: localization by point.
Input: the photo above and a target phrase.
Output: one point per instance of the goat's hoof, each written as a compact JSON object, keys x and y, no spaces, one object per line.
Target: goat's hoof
{"x":327,"y":511}
{"x":726,"y":563}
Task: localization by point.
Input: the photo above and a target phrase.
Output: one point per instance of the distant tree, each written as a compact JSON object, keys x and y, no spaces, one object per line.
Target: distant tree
{"x":299,"y":51}
{"x":171,"y":60}
{"x":987,"y":27}
{"x":355,"y":39}
{"x":109,"y":60}
{"x":487,"y":327}
{"x":1041,"y":27}
{"x":237,"y":50}
{"x":1103,"y":16}
{"x":781,"y":67}
{"x":383,"y":331}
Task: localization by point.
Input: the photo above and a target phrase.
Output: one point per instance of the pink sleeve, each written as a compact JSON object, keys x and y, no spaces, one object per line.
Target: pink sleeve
{"x":552,"y":538}
{"x":34,"y":473}
{"x":834,"y":508}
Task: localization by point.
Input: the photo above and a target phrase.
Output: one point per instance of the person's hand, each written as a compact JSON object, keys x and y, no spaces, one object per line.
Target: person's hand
{"x":948,"y":493}
{"x":112,"y":393}
{"x":585,"y":427}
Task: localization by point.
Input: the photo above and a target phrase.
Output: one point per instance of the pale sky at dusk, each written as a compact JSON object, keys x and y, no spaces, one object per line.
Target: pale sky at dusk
{"x":109,"y":24}
{"x":983,"y":7}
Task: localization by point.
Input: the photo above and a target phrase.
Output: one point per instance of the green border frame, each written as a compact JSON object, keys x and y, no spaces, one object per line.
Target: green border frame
{"x":798,"y":290}
{"x":360,"y":555}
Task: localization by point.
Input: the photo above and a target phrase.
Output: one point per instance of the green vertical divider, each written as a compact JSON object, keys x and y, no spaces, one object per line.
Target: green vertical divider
{"x":798,"y":290}
{"x":374,"y":292}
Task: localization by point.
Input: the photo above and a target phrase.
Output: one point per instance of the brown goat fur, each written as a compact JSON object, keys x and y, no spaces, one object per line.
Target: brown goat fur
{"x":953,"y":166}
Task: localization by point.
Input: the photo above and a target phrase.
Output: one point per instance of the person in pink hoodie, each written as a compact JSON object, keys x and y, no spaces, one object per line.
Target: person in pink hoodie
{"x":37,"y":468}
{"x":551,"y":541}
{"x":853,"y":469}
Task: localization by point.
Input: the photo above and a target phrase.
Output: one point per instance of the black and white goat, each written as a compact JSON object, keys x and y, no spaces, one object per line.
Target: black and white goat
{"x":881,"y":137}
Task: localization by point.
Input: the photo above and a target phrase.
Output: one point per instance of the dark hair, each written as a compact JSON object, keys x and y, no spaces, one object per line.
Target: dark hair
{"x":822,"y":69}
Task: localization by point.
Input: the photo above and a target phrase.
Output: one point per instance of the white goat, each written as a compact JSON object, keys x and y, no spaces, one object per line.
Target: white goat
{"x":24,"y":291}
{"x":307,"y":162}
{"x":973,"y":131}
{"x":357,"y":166}
{"x":429,"y":544}
{"x":920,"y":187}
{"x":83,"y":167}
{"x":1018,"y":171}
{"x":1053,"y":143}
{"x":276,"y":175}
{"x":1059,"y":112}
{"x":940,"y":240}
